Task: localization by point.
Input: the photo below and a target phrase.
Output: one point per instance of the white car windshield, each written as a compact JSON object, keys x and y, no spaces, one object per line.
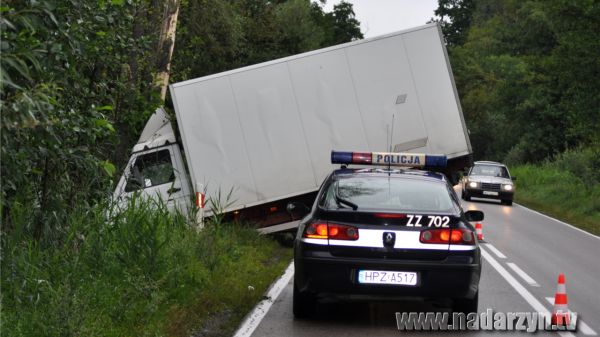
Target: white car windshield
{"x":490,"y":170}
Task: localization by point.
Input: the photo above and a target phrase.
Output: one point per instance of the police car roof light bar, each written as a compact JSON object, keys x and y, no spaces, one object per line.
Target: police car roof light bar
{"x":389,"y":159}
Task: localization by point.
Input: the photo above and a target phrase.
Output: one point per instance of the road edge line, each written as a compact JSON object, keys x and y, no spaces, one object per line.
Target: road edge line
{"x":559,"y":221}
{"x":253,"y":319}
{"x":521,"y":290}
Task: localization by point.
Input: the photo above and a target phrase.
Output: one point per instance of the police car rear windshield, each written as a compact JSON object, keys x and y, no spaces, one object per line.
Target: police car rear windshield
{"x":388,"y":193}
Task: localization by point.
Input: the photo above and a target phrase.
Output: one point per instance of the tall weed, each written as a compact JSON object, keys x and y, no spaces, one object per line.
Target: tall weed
{"x":128,"y":272}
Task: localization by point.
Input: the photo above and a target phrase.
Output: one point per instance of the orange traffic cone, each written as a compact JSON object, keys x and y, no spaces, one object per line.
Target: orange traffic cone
{"x":479,"y":231}
{"x":561,"y":314}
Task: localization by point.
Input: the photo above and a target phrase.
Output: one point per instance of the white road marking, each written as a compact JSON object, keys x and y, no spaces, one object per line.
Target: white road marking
{"x":254,"y":318}
{"x":561,"y":222}
{"x":495,"y":250}
{"x":581,"y":324}
{"x":523,"y":274}
{"x":527,"y":296}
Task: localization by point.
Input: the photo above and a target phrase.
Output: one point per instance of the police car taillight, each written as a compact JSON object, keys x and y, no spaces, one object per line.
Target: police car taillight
{"x":388,"y":158}
{"x":390,"y":215}
{"x":330,"y":231}
{"x":457,"y":236}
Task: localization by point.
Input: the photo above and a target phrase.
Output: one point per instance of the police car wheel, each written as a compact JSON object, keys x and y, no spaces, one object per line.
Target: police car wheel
{"x":466,"y":305}
{"x":507,"y":202}
{"x":303,"y":304}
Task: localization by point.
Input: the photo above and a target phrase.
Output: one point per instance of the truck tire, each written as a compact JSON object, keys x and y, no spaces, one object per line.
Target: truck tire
{"x":303,"y":304}
{"x":507,"y":202}
{"x":454,"y":178}
{"x":465,"y":196}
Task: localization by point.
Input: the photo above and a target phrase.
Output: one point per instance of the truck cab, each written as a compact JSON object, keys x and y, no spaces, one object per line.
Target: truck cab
{"x":156,"y":169}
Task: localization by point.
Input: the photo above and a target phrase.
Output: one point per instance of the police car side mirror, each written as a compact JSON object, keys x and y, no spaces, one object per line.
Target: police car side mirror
{"x":297,"y":208}
{"x":474,"y":215}
{"x":513,"y":178}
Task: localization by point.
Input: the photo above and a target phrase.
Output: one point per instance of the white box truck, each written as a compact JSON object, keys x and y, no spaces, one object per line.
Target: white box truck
{"x":265,"y":131}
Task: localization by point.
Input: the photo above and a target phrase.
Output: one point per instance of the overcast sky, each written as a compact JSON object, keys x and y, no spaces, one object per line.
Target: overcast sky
{"x":379,"y":17}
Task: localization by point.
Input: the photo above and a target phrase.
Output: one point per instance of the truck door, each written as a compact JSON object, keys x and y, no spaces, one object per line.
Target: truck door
{"x":158,"y":174}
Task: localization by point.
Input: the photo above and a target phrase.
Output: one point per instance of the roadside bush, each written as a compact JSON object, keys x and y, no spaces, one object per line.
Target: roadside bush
{"x":559,"y":193}
{"x":581,"y":162}
{"x":517,"y":155}
{"x":135,"y":272}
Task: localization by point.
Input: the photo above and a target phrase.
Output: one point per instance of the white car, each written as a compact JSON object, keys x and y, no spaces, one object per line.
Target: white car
{"x":488,"y":179}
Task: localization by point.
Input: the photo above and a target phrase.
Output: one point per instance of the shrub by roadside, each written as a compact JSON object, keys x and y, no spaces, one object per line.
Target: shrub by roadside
{"x":142,"y":272}
{"x":558,"y":192}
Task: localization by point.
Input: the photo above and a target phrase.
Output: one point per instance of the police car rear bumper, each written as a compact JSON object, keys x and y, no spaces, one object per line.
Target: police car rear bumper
{"x":457,"y":276}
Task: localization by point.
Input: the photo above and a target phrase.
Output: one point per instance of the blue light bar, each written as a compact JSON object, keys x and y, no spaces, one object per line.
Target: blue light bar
{"x":389,"y":158}
{"x":340,"y":157}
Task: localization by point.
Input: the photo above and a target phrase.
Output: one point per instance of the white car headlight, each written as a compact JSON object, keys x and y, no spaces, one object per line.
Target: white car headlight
{"x":508,"y":187}
{"x":473,"y":184}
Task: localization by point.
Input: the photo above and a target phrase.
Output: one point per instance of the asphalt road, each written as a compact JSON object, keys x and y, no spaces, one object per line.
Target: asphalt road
{"x":518,"y":241}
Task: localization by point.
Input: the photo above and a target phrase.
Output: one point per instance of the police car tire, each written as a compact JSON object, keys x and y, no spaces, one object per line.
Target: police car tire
{"x":303,"y":304}
{"x":466,"y":305}
{"x":507,"y":202}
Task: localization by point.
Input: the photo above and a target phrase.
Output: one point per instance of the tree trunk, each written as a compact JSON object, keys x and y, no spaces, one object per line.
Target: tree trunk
{"x":166,"y":43}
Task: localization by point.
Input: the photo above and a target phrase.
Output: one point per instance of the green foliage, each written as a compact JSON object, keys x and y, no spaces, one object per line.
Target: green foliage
{"x":455,"y":18}
{"x":76,"y":87}
{"x":567,"y":188}
{"x":215,"y":36}
{"x":340,"y":25}
{"x":139,"y":275}
{"x":584,"y":163}
{"x":77,"y":82}
{"x":297,"y":32}
{"x":68,"y":101}
{"x":526,"y":73}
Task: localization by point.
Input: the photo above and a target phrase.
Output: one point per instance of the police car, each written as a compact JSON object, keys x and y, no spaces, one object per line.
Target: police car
{"x":386,"y":233}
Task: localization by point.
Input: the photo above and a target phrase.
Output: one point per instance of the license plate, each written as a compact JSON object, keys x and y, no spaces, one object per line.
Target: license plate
{"x":387,"y":277}
{"x":490,"y":193}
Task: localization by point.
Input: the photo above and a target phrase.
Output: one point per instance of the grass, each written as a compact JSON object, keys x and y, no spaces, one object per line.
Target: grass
{"x":560,"y":194}
{"x":140,"y":272}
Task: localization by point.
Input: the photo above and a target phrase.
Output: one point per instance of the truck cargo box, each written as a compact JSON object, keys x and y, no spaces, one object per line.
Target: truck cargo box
{"x":266,"y":131}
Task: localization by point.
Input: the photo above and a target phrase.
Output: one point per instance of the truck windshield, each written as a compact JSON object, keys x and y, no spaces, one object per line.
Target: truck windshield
{"x":150,"y":170}
{"x":389,"y":193}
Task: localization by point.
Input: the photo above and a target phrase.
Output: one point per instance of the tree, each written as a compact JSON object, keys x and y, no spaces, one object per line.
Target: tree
{"x":220,"y":35}
{"x":455,"y":17}
{"x":67,"y":91}
{"x":166,"y":44}
{"x":526,"y":70}
{"x":341,"y":25}
{"x":78,"y":83}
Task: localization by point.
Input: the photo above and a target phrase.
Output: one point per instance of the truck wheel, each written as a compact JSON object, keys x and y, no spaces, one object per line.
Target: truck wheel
{"x":466,"y":305}
{"x":454,"y":178}
{"x":303,"y":304}
{"x":507,"y":202}
{"x":465,"y":196}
